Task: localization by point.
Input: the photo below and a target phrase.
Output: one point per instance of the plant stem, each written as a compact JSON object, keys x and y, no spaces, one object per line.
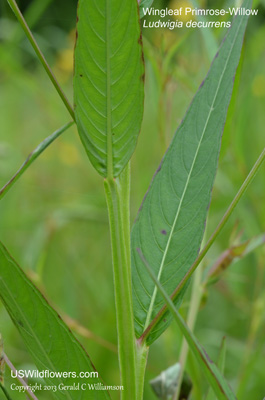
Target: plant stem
{"x":27,"y":388}
{"x":32,"y":157}
{"x":195,"y":302}
{"x":208,"y":245}
{"x":40,"y":55}
{"x":141,"y":360}
{"x":117,"y":195}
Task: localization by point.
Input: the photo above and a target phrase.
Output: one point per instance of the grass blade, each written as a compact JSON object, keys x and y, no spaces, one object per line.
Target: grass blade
{"x":49,"y":341}
{"x":170,"y":224}
{"x":212,"y":373}
{"x":220,"y":365}
{"x":20,"y":380}
{"x":5,"y":392}
{"x":32,"y":157}
{"x":40,"y":56}
{"x":108,"y":82}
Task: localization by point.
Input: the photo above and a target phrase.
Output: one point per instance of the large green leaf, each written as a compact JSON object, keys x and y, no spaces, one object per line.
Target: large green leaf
{"x":51,"y":344}
{"x":108,"y":81}
{"x":170,"y":225}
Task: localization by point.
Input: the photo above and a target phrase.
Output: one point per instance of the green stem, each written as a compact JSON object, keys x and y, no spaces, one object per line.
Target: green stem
{"x":27,"y":388}
{"x":40,"y":55}
{"x":141,"y":360}
{"x":196,"y":296}
{"x":117,"y":195}
{"x":208,"y":245}
{"x":32,"y":157}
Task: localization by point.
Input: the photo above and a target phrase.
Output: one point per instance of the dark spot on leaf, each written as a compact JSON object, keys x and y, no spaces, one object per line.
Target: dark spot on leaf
{"x":20,"y":323}
{"x":142,"y":77}
{"x":81,"y":76}
{"x":164,"y":232}
{"x":217,"y":54}
{"x":164,"y":320}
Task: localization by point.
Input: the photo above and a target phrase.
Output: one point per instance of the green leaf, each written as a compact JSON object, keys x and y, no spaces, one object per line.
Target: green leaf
{"x":170,"y":224}
{"x":32,"y":157}
{"x":212,"y":373}
{"x":108,"y":82}
{"x":5,"y":392}
{"x":220,"y":365}
{"x":143,"y":5}
{"x":49,"y":341}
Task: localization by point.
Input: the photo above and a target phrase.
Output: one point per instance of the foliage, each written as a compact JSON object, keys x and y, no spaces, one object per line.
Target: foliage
{"x":50,"y":261}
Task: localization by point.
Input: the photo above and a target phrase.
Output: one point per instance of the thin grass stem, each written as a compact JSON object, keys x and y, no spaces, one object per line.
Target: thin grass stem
{"x":32,"y":157}
{"x":27,"y":388}
{"x":40,"y":55}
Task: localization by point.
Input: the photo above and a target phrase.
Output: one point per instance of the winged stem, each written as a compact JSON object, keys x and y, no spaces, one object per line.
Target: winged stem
{"x":117,"y":195}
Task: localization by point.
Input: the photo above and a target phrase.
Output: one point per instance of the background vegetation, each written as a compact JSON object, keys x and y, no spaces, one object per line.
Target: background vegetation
{"x":54,"y":220}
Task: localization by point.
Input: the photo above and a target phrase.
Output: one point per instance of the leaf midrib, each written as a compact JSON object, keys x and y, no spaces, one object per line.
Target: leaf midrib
{"x":149,"y":314}
{"x":108,"y":89}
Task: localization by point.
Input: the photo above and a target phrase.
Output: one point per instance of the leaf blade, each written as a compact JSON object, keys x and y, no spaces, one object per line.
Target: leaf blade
{"x":108,"y":82}
{"x":170,"y":223}
{"x":32,"y":157}
{"x":48,"y":339}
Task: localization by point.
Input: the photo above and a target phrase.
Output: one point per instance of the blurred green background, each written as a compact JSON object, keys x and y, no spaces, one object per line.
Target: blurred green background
{"x":54,"y":220}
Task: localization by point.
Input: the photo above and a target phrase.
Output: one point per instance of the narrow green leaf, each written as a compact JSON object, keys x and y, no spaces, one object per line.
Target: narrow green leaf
{"x":108,"y":82}
{"x":49,"y":341}
{"x":32,"y":157}
{"x":40,"y":55}
{"x":32,"y":15}
{"x":5,"y":392}
{"x":2,"y":360}
{"x":220,"y":365}
{"x":170,"y":225}
{"x":212,"y":373}
{"x":144,"y":4}
{"x":232,"y":256}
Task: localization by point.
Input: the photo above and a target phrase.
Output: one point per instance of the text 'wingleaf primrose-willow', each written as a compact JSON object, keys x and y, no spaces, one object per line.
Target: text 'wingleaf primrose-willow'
{"x":170,"y":224}
{"x":108,"y":82}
